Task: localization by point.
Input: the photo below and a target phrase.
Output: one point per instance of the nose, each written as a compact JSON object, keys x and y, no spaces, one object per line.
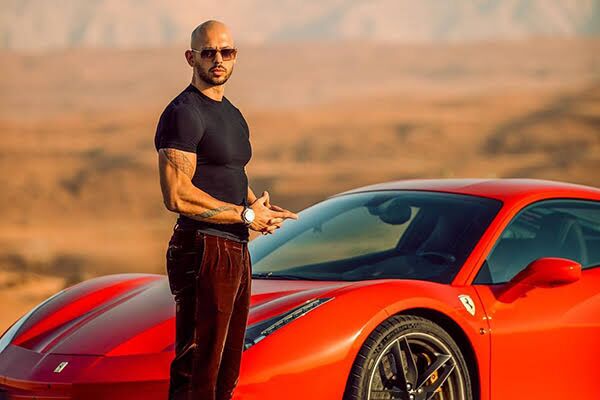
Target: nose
{"x":218,"y":57}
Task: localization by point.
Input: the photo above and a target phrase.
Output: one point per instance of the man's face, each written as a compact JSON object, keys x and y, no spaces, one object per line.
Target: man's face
{"x":214,"y":70}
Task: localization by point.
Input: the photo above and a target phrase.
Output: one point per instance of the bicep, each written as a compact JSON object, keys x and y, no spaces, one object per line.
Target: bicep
{"x":174,"y":164}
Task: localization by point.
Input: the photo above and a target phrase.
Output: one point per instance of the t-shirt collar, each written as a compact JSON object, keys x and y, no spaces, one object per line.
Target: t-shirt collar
{"x":195,"y":89}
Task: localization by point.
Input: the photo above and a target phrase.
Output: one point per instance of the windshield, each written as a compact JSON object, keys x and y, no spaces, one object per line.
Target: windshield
{"x":376,"y":235}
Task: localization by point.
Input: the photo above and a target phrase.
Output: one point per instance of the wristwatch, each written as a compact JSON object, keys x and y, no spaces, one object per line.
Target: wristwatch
{"x":248,"y":215}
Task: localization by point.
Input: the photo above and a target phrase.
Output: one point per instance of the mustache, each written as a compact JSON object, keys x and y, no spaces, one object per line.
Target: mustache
{"x":218,"y":67}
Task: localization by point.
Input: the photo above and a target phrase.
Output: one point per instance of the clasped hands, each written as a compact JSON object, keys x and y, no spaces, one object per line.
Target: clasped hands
{"x":268,"y":217}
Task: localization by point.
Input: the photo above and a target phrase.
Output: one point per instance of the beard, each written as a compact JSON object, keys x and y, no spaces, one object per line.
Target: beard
{"x":207,"y":76}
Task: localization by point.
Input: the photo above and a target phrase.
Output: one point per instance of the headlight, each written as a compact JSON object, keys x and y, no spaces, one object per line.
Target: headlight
{"x":259,"y":331}
{"x":9,"y":335}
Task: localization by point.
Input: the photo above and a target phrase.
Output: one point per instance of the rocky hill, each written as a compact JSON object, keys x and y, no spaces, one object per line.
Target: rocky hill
{"x":42,"y":24}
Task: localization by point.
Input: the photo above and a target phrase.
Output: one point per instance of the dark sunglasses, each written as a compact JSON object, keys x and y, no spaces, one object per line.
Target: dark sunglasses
{"x":226,"y":54}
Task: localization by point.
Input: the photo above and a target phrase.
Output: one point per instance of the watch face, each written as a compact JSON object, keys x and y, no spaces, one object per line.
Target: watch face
{"x":249,"y":215}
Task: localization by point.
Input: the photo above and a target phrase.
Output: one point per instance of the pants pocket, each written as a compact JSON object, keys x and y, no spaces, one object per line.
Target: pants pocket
{"x":182,"y":259}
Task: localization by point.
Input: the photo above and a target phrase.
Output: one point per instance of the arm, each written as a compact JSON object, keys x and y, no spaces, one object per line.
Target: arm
{"x":251,"y":195}
{"x":176,"y":168}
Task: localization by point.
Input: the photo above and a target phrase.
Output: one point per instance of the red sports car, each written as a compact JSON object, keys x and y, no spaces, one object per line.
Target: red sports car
{"x":419,"y":289}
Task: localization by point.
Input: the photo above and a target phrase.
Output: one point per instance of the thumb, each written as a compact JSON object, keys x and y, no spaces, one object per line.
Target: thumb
{"x":267,"y":199}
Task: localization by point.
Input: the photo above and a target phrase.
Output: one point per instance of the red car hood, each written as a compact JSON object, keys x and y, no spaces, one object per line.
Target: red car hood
{"x":137,"y":316}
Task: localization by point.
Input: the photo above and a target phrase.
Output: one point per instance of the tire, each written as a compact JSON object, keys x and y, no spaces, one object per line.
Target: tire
{"x":374,"y":374}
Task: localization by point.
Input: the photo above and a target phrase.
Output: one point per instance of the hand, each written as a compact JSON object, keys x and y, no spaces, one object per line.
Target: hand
{"x":276,"y":222}
{"x":277,"y":208}
{"x":268,"y":217}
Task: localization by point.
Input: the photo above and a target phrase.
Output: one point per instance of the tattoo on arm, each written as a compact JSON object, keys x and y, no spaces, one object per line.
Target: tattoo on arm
{"x":213,"y":212}
{"x":180,"y":161}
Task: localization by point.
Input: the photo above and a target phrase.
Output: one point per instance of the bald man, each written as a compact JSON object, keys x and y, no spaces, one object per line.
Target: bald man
{"x":203,"y":147}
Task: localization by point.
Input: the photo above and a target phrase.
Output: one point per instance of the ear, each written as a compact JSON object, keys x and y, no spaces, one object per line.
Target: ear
{"x":189,"y":56}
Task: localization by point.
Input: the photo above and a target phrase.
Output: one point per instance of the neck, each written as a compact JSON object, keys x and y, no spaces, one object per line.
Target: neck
{"x":215,"y":92}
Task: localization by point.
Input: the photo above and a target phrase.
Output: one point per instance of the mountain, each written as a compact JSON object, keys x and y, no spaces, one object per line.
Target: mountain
{"x":41,"y":24}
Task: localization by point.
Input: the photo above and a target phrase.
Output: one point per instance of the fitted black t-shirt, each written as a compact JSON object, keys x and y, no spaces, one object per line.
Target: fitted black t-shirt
{"x":218,"y":133}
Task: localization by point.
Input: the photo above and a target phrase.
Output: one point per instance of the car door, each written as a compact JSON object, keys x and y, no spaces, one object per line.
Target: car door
{"x":545,"y":341}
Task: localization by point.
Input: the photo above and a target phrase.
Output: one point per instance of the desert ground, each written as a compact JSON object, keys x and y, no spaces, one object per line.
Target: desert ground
{"x":79,"y":186}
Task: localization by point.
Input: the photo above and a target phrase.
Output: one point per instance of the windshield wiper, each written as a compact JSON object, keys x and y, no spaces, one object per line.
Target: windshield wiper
{"x":271,"y":275}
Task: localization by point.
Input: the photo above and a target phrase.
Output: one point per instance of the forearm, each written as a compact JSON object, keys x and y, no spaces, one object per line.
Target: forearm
{"x":251,"y":196}
{"x":201,"y":206}
{"x":185,"y":198}
{"x":180,"y":195}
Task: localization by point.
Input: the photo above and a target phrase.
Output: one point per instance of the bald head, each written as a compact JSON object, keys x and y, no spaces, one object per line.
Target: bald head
{"x":209,"y":32}
{"x":208,"y":41}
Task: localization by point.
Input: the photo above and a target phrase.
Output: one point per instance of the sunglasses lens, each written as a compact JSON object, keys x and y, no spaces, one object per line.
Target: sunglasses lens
{"x":208,"y":53}
{"x":228,"y":54}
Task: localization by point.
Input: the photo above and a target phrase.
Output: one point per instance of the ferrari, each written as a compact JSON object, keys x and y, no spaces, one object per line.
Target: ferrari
{"x":444,"y":289}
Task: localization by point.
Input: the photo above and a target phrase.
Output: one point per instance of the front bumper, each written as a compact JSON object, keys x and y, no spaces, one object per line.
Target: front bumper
{"x":28,"y":375}
{"x":12,"y":389}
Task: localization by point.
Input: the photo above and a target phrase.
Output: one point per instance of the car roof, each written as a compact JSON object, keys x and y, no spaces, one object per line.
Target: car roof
{"x":505,"y":189}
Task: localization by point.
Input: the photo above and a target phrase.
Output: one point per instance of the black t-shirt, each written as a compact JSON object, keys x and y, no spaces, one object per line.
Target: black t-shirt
{"x":218,"y":133}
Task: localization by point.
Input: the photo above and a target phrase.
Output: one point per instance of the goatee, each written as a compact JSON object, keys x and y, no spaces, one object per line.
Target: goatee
{"x":207,"y":77}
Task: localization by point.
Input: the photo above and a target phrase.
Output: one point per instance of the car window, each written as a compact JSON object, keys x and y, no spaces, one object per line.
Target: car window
{"x":338,"y":238}
{"x":553,"y":228}
{"x":377,"y":235}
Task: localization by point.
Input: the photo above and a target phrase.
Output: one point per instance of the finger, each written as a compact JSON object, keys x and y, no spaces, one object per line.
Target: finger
{"x":268,"y":199}
{"x":286,"y":214}
{"x":264,"y":198}
{"x":277,"y":208}
{"x":277,"y":220}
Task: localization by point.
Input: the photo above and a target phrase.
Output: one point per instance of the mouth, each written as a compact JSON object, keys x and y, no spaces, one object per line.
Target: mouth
{"x":218,"y":70}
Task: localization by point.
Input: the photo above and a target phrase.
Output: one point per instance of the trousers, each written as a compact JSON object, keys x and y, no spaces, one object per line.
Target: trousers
{"x":210,"y":278}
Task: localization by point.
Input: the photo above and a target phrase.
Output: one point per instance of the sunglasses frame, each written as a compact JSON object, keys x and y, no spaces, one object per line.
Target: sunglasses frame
{"x":234,"y":55}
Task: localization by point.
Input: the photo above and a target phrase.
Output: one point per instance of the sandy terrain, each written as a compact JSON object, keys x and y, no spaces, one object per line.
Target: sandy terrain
{"x":80,"y":194}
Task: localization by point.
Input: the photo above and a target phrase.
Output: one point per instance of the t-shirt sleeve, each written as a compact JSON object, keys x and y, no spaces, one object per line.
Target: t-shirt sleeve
{"x":181,"y":128}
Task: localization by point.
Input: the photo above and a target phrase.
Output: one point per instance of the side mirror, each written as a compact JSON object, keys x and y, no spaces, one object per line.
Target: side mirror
{"x":548,"y":272}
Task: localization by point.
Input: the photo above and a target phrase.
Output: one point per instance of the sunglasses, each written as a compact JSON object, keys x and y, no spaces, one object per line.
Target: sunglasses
{"x":226,"y":54}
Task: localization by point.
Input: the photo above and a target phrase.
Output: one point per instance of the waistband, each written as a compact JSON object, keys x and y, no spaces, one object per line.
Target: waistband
{"x":213,"y":238}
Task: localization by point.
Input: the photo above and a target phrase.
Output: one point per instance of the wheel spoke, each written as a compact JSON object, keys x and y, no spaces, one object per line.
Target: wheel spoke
{"x":400,"y":373}
{"x":439,"y":362}
{"x":442,"y":378}
{"x":411,"y":367}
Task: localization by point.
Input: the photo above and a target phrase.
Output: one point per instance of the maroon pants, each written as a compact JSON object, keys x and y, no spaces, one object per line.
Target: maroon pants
{"x":210,"y":277}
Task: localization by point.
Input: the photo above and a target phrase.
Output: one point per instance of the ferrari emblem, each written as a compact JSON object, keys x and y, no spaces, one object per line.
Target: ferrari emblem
{"x":60,"y":367}
{"x":468,"y":302}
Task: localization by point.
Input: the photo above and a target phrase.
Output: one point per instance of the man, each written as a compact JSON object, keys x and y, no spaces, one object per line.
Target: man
{"x":203,"y":145}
